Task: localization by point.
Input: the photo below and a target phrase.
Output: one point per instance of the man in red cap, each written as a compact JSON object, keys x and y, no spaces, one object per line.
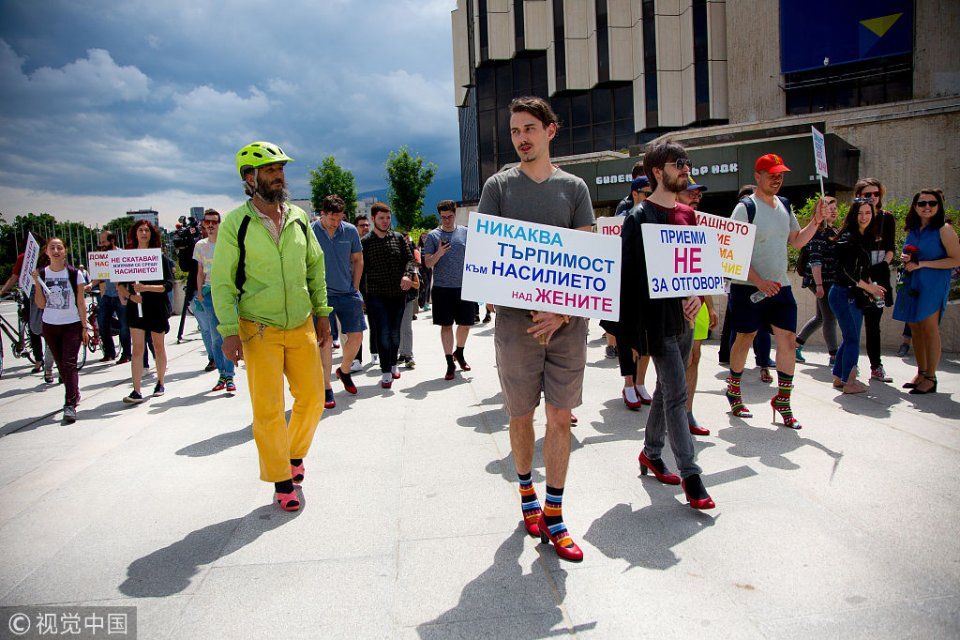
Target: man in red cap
{"x":765,"y":298}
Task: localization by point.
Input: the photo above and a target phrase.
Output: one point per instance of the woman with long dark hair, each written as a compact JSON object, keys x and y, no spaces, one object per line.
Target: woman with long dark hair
{"x":58,"y":291}
{"x":151,"y":298}
{"x":853,"y":291}
{"x":930,"y":253}
{"x":819,"y":277}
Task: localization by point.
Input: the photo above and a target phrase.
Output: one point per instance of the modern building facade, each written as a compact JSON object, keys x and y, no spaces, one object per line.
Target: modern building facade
{"x":730,"y":80}
{"x":149,"y":215}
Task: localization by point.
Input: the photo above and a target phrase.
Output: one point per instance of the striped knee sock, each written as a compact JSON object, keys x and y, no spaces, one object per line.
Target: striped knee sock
{"x":782,"y":400}
{"x":553,"y":516}
{"x":737,"y":407}
{"x":528,"y":497}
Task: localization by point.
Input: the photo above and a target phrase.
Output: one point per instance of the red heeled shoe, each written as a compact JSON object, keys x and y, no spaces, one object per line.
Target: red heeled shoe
{"x":298,"y":472}
{"x":659,"y":471}
{"x":633,"y":406}
{"x":783,"y":408}
{"x":696,"y":493}
{"x":571,"y":552}
{"x":531,"y":522}
{"x":697,"y":430}
{"x":288,"y":501}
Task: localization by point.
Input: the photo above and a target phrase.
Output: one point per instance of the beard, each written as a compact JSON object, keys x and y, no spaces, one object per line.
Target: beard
{"x":275,"y":194}
{"x":675,"y":185}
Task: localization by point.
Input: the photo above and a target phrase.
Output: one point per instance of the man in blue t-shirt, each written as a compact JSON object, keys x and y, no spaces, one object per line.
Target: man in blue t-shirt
{"x":343,"y":259}
{"x":444,"y":252}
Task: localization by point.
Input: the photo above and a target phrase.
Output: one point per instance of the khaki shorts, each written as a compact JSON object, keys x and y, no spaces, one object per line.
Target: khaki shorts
{"x":527,"y":368}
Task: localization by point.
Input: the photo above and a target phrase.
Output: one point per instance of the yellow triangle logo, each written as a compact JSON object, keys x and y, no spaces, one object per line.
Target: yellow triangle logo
{"x":882,"y":24}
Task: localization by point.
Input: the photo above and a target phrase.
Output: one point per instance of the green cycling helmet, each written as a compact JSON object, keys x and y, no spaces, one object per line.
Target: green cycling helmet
{"x":258,"y":154}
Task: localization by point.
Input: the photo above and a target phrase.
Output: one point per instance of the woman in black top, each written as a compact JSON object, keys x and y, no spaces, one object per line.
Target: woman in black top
{"x":853,"y":291}
{"x":881,"y":245}
{"x":819,"y":276}
{"x":152,"y":297}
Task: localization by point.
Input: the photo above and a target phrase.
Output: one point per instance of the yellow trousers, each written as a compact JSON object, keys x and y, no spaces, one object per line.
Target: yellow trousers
{"x":271,"y":354}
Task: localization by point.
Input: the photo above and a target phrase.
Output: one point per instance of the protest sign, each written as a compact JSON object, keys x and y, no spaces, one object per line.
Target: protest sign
{"x":31,"y":254}
{"x":819,"y":156}
{"x":534,"y":266}
{"x":98,"y":265}
{"x":734,"y":241}
{"x":135,"y":265}
{"x":681,"y":261}
{"x":610,"y":226}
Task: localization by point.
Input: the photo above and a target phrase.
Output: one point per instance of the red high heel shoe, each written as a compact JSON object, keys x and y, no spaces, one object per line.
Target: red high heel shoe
{"x":573,"y":553}
{"x":659,"y":471}
{"x":531,"y":522}
{"x":633,"y":406}
{"x":696,"y":493}
{"x":298,"y":472}
{"x":288,"y":501}
{"x":697,"y":430}
{"x":783,"y":408}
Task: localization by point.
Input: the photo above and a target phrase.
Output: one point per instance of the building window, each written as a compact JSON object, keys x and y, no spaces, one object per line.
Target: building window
{"x":650,"y":62}
{"x":519,"y":43}
{"x":701,"y":54}
{"x":484,"y":30}
{"x":559,"y":45}
{"x":603,"y":42}
{"x":856,"y":84}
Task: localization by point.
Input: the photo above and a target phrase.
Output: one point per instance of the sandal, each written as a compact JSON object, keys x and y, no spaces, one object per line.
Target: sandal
{"x":765,"y":376}
{"x":298,"y":472}
{"x":288,"y":501}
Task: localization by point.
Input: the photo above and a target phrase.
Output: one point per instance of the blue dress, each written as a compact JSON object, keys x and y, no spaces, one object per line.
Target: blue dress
{"x":925,"y":290}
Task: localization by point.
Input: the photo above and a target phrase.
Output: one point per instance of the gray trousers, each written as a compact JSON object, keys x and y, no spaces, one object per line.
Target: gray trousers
{"x":823,"y":318}
{"x":406,"y":329}
{"x":668,"y":413}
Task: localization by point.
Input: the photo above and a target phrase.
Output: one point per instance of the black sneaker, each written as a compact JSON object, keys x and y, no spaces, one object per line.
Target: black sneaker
{"x":134,"y":398}
{"x":69,"y":414}
{"x":159,"y":390}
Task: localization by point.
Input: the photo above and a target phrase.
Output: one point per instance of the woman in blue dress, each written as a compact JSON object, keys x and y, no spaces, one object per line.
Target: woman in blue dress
{"x":931,"y":252}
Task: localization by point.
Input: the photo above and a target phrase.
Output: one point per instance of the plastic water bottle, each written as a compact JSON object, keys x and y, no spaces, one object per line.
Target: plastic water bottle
{"x":757,"y":296}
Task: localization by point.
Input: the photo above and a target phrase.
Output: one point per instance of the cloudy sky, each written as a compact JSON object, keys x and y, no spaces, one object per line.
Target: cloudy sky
{"x":108,"y":106}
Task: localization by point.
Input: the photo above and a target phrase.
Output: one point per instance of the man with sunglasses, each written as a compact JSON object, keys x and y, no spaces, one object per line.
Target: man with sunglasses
{"x":639,"y":191}
{"x":110,"y":307}
{"x":444,"y":251}
{"x":881,"y":244}
{"x":766,"y":297}
{"x":203,"y":302}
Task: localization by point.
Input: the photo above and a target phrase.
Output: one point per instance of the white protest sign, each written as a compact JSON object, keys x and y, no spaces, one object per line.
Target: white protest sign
{"x":31,"y":254}
{"x":735,"y":242}
{"x":610,"y":226}
{"x":135,"y":265}
{"x":819,"y":153}
{"x":534,"y":266}
{"x":98,"y":265}
{"x":681,"y":261}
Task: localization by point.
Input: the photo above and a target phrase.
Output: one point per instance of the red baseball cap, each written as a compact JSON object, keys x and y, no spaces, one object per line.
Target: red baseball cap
{"x":771,"y":163}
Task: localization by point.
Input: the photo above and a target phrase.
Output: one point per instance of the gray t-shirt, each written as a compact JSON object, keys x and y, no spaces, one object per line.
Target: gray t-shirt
{"x":774,"y":226}
{"x":448,"y":272}
{"x":562,"y":200}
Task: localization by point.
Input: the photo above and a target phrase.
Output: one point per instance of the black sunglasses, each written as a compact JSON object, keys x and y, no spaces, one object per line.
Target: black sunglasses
{"x":927,"y":203}
{"x":682,"y":162}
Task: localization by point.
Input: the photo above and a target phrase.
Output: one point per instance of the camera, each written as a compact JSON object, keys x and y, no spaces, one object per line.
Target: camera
{"x":186,"y":235}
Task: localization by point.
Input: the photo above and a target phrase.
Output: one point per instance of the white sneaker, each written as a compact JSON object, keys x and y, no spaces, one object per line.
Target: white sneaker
{"x":644,"y":394}
{"x":374,"y":358}
{"x":356,"y":366}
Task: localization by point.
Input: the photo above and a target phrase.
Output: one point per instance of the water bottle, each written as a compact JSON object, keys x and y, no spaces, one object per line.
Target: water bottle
{"x":757,"y":296}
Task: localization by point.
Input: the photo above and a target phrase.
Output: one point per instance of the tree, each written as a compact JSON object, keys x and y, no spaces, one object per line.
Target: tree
{"x":120,"y":226}
{"x":330,"y":178}
{"x":409,"y":179}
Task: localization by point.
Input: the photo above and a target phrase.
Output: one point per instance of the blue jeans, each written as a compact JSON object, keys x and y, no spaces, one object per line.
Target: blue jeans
{"x":850,"y":318}
{"x":197,"y":308}
{"x":207,"y":319}
{"x":110,"y":306}
{"x":387,"y":315}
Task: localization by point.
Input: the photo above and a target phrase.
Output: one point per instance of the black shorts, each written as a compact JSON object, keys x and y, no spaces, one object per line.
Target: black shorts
{"x":155,"y":320}
{"x":747,"y":316}
{"x":449,"y":308}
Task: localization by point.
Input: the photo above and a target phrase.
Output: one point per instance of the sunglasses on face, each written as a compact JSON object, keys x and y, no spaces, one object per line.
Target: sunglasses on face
{"x":211,"y":222}
{"x":682,"y":163}
{"x":870,"y":194}
{"x":927,"y":203}
{"x":646,"y":192}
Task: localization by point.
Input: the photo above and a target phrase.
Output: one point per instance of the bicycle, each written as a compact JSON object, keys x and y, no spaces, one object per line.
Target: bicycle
{"x":19,"y":336}
{"x":94,"y":343}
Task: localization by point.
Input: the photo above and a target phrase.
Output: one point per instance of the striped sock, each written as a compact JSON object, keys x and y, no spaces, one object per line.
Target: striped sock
{"x":553,"y":517}
{"x":782,"y":400}
{"x":528,"y":497}
{"x":737,"y":407}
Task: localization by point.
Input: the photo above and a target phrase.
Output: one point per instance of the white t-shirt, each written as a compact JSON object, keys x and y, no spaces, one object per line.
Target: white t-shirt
{"x":62,"y":300}
{"x":203,"y":254}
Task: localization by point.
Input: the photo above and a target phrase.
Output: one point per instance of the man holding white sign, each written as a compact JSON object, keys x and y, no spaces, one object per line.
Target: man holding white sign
{"x":546,"y":355}
{"x":658,"y":311}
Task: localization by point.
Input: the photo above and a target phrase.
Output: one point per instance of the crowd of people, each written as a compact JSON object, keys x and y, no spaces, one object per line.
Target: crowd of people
{"x":282,"y":293}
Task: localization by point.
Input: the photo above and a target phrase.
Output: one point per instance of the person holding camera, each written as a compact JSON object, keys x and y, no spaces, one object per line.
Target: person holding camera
{"x":444,"y":252}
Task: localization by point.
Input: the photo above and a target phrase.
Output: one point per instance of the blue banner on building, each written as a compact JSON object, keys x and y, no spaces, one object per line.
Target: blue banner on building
{"x":819,"y":33}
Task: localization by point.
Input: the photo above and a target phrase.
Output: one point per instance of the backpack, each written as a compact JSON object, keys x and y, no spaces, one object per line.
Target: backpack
{"x":241,"y":276}
{"x":803,"y":259}
{"x":751,"y":206}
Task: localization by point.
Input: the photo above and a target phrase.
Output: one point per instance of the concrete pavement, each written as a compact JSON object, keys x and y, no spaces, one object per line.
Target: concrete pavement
{"x":411,"y":522}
